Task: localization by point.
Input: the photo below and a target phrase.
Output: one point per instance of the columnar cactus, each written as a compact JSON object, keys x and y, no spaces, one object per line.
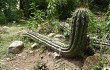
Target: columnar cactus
{"x":77,"y":36}
{"x":79,"y":30}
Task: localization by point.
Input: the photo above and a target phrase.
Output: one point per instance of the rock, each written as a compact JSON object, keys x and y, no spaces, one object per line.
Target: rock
{"x":16,"y":47}
{"x":51,"y":34}
{"x":18,"y":25}
{"x":14,"y":22}
{"x":22,"y":32}
{"x":19,"y":55}
{"x":31,"y":52}
{"x":91,"y":61}
{"x":59,"y":37}
{"x":4,"y":29}
{"x":34,"y":46}
{"x":56,"y":55}
{"x":96,"y":62}
{"x":8,"y":59}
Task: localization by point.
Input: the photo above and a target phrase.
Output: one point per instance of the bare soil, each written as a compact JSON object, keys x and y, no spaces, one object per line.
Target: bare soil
{"x":27,"y":60}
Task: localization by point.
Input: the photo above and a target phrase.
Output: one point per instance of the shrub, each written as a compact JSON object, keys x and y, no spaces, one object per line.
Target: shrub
{"x":97,"y":5}
{"x":25,"y":5}
{"x":108,"y":11}
{"x":42,"y":4}
{"x":37,"y":16}
{"x":8,"y":10}
{"x":2,"y":17}
{"x":60,"y":8}
{"x":12,"y":14}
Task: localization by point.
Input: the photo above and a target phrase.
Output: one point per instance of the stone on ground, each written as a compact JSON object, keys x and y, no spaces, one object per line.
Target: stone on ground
{"x":91,"y":61}
{"x":59,"y":37}
{"x":51,"y":34}
{"x":34,"y":46}
{"x":16,"y":47}
{"x":56,"y":55}
{"x":4,"y":29}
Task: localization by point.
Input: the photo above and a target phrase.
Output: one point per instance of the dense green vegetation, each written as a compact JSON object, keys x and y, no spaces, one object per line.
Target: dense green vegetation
{"x":52,"y":8}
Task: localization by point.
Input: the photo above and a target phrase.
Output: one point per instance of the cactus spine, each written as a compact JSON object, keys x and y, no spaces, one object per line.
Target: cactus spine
{"x":77,"y":36}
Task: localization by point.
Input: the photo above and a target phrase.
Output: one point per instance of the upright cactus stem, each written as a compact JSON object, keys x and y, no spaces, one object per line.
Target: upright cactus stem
{"x":79,"y":30}
{"x":77,"y":36}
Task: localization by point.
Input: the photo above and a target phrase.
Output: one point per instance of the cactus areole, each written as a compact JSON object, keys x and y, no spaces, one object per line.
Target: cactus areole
{"x":77,"y":36}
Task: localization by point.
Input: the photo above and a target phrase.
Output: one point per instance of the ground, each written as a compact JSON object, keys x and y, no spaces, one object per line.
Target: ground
{"x":28,"y":59}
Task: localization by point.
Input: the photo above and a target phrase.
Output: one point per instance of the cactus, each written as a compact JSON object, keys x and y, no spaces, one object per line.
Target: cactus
{"x":77,"y":36}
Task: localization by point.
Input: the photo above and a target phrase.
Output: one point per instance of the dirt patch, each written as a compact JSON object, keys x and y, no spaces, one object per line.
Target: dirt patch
{"x":28,"y":59}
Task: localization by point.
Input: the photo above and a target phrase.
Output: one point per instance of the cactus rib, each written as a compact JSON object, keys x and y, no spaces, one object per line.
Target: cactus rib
{"x":77,"y":35}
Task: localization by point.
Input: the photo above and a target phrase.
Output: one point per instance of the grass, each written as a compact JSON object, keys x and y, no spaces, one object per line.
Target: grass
{"x":7,"y":37}
{"x":11,"y":34}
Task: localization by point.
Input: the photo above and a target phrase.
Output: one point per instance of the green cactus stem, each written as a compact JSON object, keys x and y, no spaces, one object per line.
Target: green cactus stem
{"x":77,"y":36}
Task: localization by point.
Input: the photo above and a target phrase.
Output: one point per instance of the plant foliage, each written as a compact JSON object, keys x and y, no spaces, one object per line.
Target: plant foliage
{"x":9,"y":11}
{"x":60,"y":8}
